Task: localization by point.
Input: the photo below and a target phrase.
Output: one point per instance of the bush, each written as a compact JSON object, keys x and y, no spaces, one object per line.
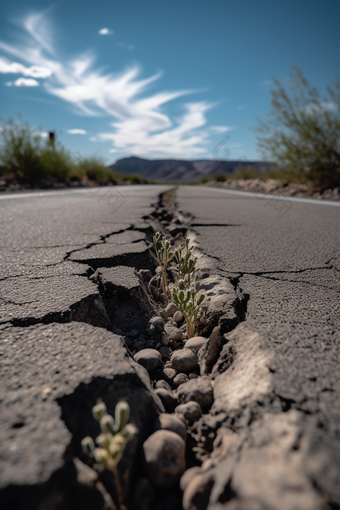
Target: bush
{"x":302,"y":132}
{"x":93,"y":168}
{"x":220,"y":178}
{"x":24,"y":154}
{"x":247,"y":172}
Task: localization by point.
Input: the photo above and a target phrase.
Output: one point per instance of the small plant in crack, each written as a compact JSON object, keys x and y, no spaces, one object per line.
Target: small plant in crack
{"x":189,"y":303}
{"x":116,"y":432}
{"x":165,"y":256}
{"x":186,"y":262}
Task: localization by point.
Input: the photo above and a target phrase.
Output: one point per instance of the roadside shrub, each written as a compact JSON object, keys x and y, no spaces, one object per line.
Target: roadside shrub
{"x":220,"y":178}
{"x":247,"y":172}
{"x":302,"y":131}
{"x":28,"y":157}
{"x":93,"y":168}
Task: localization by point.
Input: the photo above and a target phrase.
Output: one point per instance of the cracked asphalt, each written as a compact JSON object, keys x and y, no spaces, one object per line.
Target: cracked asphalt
{"x":284,"y":378}
{"x":46,"y":240}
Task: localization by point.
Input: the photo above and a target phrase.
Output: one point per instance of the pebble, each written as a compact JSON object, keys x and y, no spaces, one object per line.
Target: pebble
{"x":180,"y":379}
{"x":171,"y":422}
{"x":149,"y":359}
{"x":196,"y":342}
{"x":138,"y":346}
{"x":191,"y":411}
{"x":133,"y":333}
{"x":178,"y":316}
{"x":173,"y":332}
{"x":163,"y":384}
{"x":164,"y":454}
{"x":188,"y":476}
{"x":168,"y":399}
{"x":184,"y":360}
{"x":197,"y":493}
{"x":156,"y":325}
{"x":164,"y":339}
{"x":174,"y":345}
{"x":170,"y":310}
{"x":170,"y":373}
{"x":193,"y":375}
{"x":199,"y":390}
{"x":165,"y":352}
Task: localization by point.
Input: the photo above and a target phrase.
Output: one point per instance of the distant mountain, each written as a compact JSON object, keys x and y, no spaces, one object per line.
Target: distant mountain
{"x":176,"y":170}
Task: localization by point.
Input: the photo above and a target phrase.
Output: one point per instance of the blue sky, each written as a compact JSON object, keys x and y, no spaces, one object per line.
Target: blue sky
{"x":158,"y":78}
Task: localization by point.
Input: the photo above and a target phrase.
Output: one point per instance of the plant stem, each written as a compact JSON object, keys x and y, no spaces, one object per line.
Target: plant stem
{"x":165,"y":285}
{"x":119,"y":491}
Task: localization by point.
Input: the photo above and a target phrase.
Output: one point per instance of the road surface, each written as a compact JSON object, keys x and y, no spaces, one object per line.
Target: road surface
{"x":284,"y":380}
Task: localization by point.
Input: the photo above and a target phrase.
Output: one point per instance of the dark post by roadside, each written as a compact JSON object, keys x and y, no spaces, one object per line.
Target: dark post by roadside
{"x":51,"y":138}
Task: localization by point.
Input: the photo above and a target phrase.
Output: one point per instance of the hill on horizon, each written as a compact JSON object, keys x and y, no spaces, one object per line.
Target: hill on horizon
{"x":184,"y":171}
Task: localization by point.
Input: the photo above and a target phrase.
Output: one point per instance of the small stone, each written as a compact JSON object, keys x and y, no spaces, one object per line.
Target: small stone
{"x":164,"y":454}
{"x":132,"y":334}
{"x":174,"y":345}
{"x":191,"y":411}
{"x":163,"y":384}
{"x":196,"y":342}
{"x":180,"y":379}
{"x":156,"y":325}
{"x":149,"y":359}
{"x":197,"y":492}
{"x":171,"y":422}
{"x":146,"y":274}
{"x":138,"y":346}
{"x":170,"y":310}
{"x":158,"y":345}
{"x":193,"y":375}
{"x":188,"y":476}
{"x":149,"y":344}
{"x":173,"y":333}
{"x":168,"y":399}
{"x":164,"y":339}
{"x":184,"y":360}
{"x":165,"y":352}
{"x":178,"y":316}
{"x":199,"y":390}
{"x":170,"y":373}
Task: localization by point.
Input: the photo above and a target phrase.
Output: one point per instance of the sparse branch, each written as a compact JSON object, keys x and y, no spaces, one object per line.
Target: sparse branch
{"x":302,"y":131}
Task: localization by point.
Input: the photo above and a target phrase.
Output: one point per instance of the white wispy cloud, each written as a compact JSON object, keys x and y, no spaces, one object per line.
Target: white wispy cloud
{"x":8,"y":67}
{"x":220,"y":129}
{"x":105,"y":31}
{"x":76,"y":131}
{"x":23,"y":82}
{"x":139,"y":124}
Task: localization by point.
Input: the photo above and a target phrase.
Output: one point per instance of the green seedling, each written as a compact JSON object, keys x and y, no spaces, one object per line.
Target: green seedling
{"x":186,"y":262}
{"x":116,"y":432}
{"x":188,"y":302}
{"x":165,"y":256}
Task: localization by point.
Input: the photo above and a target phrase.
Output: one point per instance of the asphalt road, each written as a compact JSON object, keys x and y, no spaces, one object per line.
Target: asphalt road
{"x":283,"y":253}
